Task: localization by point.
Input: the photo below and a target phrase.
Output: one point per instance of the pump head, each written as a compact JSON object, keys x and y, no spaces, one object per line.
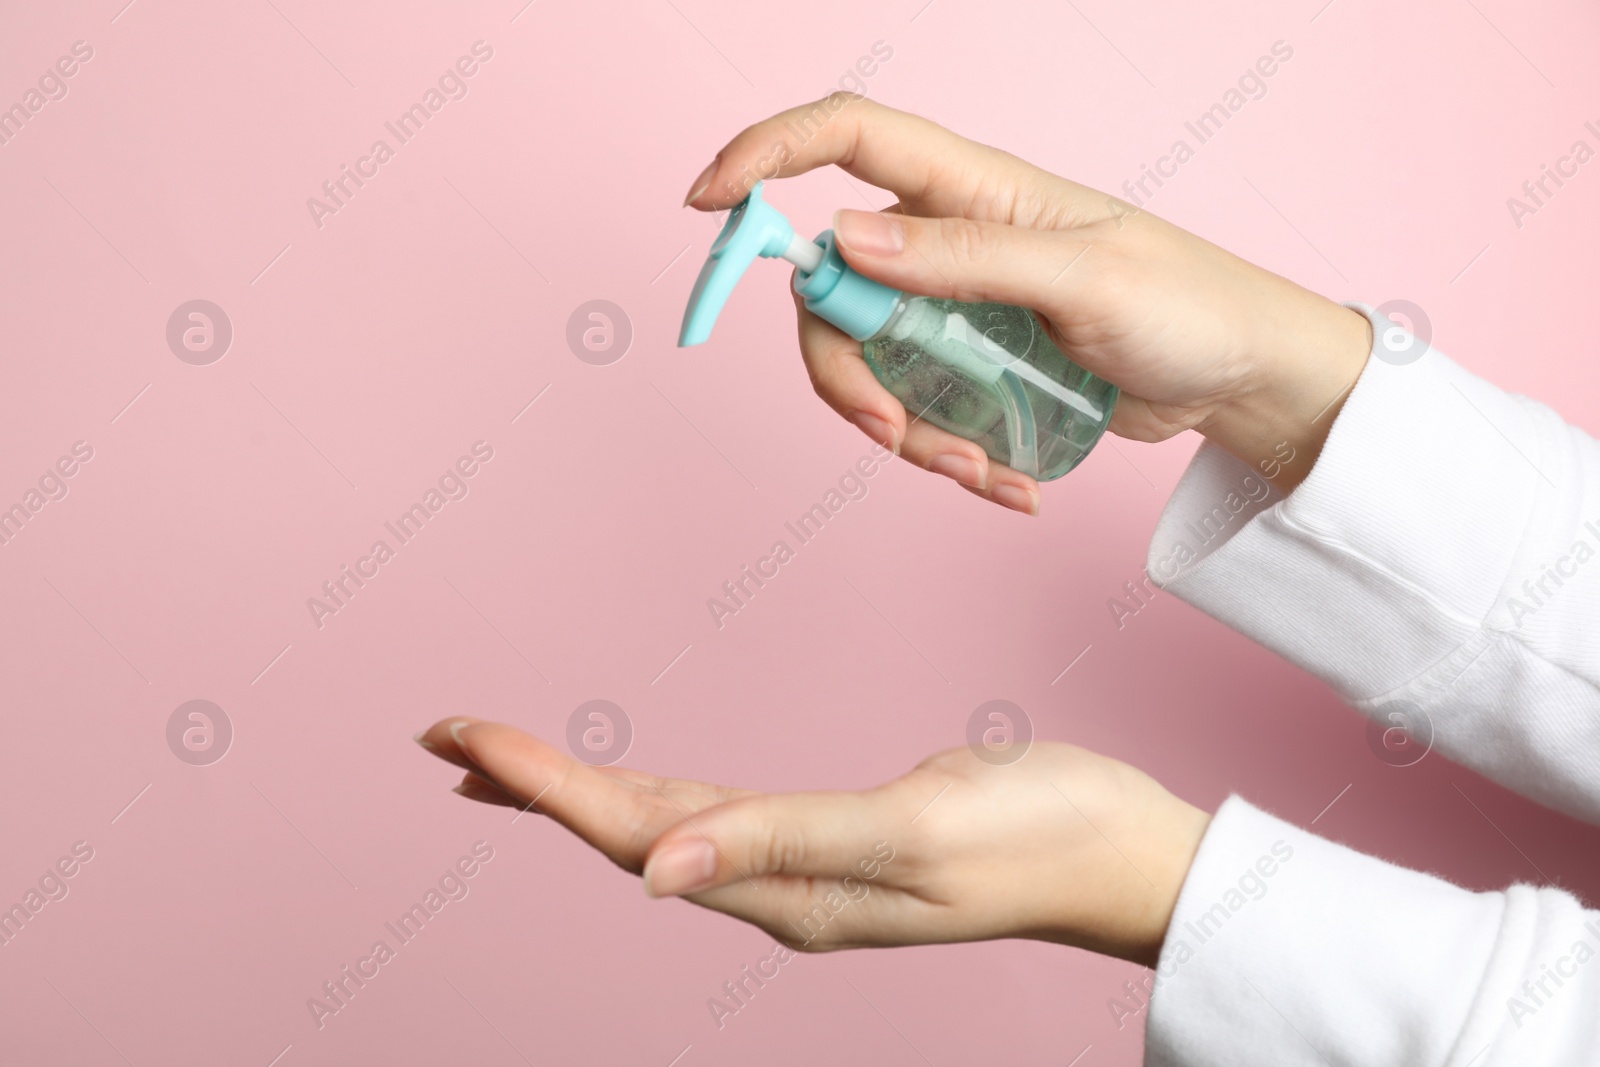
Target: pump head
{"x":851,"y":301}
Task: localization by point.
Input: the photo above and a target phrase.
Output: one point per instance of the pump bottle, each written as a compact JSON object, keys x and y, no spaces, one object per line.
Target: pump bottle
{"x":985,"y":372}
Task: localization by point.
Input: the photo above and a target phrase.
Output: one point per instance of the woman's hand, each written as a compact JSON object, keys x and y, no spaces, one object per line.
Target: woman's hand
{"x":1195,"y":337}
{"x":1063,"y":845}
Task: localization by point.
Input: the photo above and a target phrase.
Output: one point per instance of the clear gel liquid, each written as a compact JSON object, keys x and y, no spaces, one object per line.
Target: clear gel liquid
{"x":988,"y":373}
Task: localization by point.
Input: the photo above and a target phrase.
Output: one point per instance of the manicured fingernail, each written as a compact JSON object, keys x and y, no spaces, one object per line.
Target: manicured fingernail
{"x":701,"y":184}
{"x":963,"y":469}
{"x":680,"y":869}
{"x":1017,"y":499}
{"x":869,"y":232}
{"x":484,"y":794}
{"x":417,"y":737}
{"x":455,"y":733}
{"x":877,"y":429}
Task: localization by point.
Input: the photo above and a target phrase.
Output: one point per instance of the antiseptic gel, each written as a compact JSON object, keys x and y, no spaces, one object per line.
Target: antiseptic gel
{"x":984,"y":371}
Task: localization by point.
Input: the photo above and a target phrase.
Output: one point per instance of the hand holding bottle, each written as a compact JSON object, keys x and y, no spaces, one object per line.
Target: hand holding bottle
{"x":1064,"y":845}
{"x":1195,"y":337}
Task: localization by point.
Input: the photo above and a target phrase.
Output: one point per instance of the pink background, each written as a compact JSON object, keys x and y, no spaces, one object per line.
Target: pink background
{"x":370,"y":353}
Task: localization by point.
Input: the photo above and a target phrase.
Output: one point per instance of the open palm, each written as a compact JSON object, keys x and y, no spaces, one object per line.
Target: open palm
{"x":1065,"y":845}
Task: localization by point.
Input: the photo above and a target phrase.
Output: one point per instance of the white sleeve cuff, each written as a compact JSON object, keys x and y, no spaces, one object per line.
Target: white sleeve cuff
{"x":1288,"y":949}
{"x":1439,"y":566}
{"x":1338,"y":572}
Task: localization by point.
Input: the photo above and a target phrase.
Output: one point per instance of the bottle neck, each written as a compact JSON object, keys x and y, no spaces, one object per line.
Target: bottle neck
{"x":899,"y":319}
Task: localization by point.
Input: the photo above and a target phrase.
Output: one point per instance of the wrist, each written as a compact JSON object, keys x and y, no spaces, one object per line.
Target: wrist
{"x":1147,"y":860}
{"x":1309,"y":353}
{"x":1177,"y":841}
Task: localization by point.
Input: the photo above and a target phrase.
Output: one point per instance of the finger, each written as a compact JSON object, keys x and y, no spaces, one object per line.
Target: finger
{"x":841,"y":377}
{"x":439,"y":740}
{"x":962,"y":461}
{"x":1010,"y":489}
{"x":618,"y":816}
{"x":820,"y":835}
{"x":843,"y":380}
{"x":973,"y":261}
{"x":918,"y":160}
{"x":485,"y":792}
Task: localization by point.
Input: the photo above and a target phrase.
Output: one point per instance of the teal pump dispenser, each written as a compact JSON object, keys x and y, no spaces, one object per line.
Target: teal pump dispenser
{"x":985,"y":372}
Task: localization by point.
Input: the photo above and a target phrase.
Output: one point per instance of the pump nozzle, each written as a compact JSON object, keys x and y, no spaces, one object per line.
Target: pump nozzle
{"x":853,"y":302}
{"x":754,"y":228}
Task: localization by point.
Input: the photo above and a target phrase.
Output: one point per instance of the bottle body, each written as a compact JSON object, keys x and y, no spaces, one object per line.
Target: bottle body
{"x":988,"y":373}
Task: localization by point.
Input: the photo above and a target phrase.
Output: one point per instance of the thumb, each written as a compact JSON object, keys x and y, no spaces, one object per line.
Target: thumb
{"x":966,"y":259}
{"x":818,"y":835}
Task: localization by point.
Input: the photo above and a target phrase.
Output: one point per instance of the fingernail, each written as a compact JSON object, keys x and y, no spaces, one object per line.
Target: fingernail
{"x":473,"y":791}
{"x":455,"y":733}
{"x":869,"y":232}
{"x":417,"y":737}
{"x":877,"y":429}
{"x":680,"y":869}
{"x":963,"y":469}
{"x":1017,"y":499}
{"x":702,"y":183}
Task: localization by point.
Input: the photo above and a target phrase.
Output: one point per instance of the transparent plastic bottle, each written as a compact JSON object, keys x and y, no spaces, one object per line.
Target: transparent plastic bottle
{"x":988,"y":373}
{"x":985,"y":372}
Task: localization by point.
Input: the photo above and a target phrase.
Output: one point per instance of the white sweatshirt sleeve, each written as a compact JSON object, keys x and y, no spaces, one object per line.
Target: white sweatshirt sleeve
{"x":1440,"y":567}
